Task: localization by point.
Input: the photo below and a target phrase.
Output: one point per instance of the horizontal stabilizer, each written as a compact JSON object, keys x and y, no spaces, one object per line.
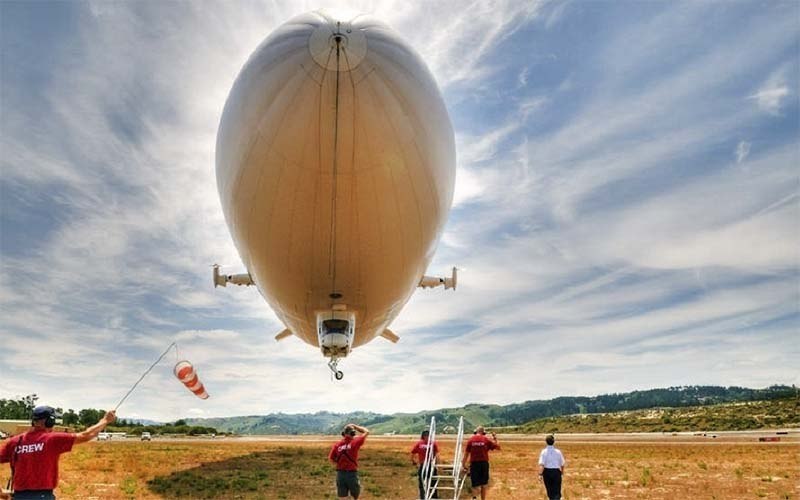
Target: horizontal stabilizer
{"x":434,"y":281}
{"x":237,"y":279}
{"x":390,"y":336}
{"x":285,"y":333}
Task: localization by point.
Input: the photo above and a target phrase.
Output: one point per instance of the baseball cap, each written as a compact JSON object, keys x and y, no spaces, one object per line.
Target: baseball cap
{"x":41,"y":412}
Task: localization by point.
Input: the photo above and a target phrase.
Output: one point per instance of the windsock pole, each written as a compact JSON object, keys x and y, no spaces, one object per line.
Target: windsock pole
{"x":145,"y":373}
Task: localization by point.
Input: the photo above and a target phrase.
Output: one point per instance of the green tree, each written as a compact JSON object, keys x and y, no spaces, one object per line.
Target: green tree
{"x":70,"y":417}
{"x":89,"y":416}
{"x":18,"y":409}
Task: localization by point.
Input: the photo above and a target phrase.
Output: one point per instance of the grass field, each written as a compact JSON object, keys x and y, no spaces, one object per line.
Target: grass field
{"x":613,"y":467}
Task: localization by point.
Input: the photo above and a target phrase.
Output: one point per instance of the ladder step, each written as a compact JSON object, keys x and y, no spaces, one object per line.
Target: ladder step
{"x":445,"y":473}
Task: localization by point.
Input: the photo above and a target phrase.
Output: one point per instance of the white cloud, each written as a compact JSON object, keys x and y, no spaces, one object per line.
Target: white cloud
{"x":770,"y":99}
{"x":468,"y":186}
{"x":699,"y":225}
{"x":522,"y":78}
{"x":211,"y":335}
{"x":454,"y":39}
{"x":478,"y":149}
{"x":742,"y":150}
{"x":530,"y":106}
{"x":772,"y":93}
{"x":556,"y":13}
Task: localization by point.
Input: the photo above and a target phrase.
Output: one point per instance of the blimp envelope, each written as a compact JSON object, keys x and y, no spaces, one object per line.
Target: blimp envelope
{"x":335,"y":163}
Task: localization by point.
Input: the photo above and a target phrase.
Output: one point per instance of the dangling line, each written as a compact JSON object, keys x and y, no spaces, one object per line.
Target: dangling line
{"x":332,"y":246}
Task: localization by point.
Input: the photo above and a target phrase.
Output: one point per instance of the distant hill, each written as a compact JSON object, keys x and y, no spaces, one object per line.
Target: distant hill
{"x":283,"y":423}
{"x":740,"y":416}
{"x":512,"y":416}
{"x":143,"y":421}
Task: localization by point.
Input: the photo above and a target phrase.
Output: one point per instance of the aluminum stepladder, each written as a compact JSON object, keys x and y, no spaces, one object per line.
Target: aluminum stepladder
{"x":449,"y":477}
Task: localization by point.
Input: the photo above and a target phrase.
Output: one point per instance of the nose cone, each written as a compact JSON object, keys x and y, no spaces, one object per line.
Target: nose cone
{"x":335,"y":44}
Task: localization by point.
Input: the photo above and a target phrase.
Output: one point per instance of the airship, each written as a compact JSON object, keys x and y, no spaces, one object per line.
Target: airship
{"x":335,"y":166}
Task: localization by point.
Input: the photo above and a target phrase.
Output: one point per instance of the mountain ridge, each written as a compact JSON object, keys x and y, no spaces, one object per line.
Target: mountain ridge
{"x":494,"y":415}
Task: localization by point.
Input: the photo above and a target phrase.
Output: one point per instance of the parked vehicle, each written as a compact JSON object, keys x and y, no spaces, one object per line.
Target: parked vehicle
{"x":146,"y":436}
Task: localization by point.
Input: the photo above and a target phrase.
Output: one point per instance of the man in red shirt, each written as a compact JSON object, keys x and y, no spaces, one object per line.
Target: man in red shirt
{"x":477,"y":449}
{"x":418,"y":453}
{"x":34,"y":455}
{"x":344,"y":456}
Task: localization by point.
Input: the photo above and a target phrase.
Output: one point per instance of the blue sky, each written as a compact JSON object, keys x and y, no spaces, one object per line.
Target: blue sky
{"x":626,"y":211}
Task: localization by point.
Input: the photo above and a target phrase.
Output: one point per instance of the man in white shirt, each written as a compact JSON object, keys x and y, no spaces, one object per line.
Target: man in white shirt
{"x":551,"y":468}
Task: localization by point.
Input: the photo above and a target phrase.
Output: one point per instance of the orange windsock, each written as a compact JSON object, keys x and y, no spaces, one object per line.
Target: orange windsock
{"x":184,"y":371}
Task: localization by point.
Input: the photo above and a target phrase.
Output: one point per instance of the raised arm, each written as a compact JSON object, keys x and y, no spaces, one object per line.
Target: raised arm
{"x":494,"y":440}
{"x":362,"y":430}
{"x":93,"y":431}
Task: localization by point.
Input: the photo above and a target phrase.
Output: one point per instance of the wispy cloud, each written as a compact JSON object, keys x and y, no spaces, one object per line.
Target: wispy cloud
{"x":456,"y":38}
{"x":742,"y":150}
{"x":771,"y":96}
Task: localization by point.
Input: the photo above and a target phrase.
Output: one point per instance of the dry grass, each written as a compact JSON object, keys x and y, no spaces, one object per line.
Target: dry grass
{"x":297,"y":469}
